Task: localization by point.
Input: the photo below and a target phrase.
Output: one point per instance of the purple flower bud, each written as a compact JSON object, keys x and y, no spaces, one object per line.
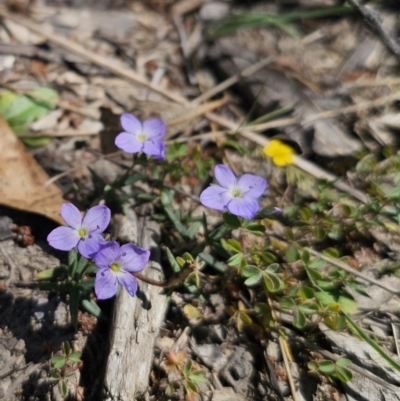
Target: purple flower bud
{"x":146,"y":137}
{"x":115,"y":265}
{"x":238,"y":196}
{"x":82,"y":233}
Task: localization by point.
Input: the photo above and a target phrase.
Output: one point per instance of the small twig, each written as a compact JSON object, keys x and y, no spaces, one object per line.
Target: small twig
{"x":232,"y":80}
{"x":58,"y":134}
{"x":173,"y":281}
{"x":396,"y":340}
{"x":372,"y":20}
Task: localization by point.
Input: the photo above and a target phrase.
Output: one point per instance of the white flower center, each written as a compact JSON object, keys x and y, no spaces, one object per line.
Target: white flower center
{"x":236,"y":192}
{"x":142,"y":137}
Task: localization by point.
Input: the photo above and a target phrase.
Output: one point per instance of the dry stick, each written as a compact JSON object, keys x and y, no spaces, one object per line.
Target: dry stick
{"x":232,"y":80}
{"x":371,"y":18}
{"x":56,"y":134}
{"x":305,"y":165}
{"x":354,"y":272}
{"x":104,"y":62}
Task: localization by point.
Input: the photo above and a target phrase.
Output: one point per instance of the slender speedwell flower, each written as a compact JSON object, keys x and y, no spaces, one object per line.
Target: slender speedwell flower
{"x":238,"y":196}
{"x":115,"y":265}
{"x":146,"y":137}
{"x":82,"y":233}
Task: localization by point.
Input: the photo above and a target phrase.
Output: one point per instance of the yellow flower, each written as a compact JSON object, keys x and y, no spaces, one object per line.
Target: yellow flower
{"x":280,"y":153}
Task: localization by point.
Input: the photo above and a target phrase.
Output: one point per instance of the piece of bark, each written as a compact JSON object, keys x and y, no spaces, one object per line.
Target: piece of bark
{"x":136,"y":321}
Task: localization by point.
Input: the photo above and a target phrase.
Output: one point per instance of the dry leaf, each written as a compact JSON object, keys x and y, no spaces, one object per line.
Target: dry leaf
{"x":22,"y":180}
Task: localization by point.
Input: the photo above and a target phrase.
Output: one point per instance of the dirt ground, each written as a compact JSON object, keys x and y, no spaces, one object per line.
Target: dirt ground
{"x":320,"y":79}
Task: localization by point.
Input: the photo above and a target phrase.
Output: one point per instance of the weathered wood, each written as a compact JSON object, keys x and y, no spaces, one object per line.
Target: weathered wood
{"x":136,"y":320}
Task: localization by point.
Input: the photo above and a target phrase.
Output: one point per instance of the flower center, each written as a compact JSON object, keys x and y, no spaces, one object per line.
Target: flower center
{"x":236,"y":193}
{"x":142,"y":137}
{"x":83,"y":232}
{"x":115,"y":267}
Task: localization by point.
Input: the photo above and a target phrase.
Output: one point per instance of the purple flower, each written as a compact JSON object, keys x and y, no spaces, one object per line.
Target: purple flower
{"x":115,"y":265}
{"x":82,"y":233}
{"x":238,"y":196}
{"x":146,"y":137}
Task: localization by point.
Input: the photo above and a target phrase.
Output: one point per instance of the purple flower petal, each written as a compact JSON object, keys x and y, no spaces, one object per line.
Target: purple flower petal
{"x":253,"y":185}
{"x":154,"y":128}
{"x":128,"y":143}
{"x":97,"y":218}
{"x":128,"y":282}
{"x":107,"y":254}
{"x":215,"y":197}
{"x":63,"y":238}
{"x":154,"y":148}
{"x":90,"y":246}
{"x":134,"y":258}
{"x":246,"y":207}
{"x":131,"y":124}
{"x":71,"y":215}
{"x":224,"y":176}
{"x":105,"y":284}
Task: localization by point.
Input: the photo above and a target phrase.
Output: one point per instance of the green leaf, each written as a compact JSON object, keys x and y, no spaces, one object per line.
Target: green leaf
{"x":306,"y":292}
{"x":188,"y":257}
{"x":317,"y":264}
{"x":331,"y":252}
{"x":72,"y":262}
{"x":309,"y":308}
{"x":256,"y":229}
{"x":245,"y":318}
{"x":292,"y":254}
{"x":327,"y":367}
{"x":63,"y":388}
{"x":186,"y":368}
{"x":343,"y":374}
{"x":287,"y":303}
{"x":173,"y":263}
{"x":52,"y":274}
{"x":288,"y":233}
{"x":75,"y":357}
{"x":299,"y":318}
{"x":66,"y":348}
{"x":198,"y":376}
{"x":91,"y":307}
{"x":192,"y":386}
{"x":58,"y":361}
{"x":343,"y":362}
{"x":82,"y":263}
{"x":313,"y":366}
{"x":272,"y":282}
{"x":212,"y":262}
{"x":305,"y":256}
{"x":250,"y":270}
{"x":235,"y":260}
{"x":348,"y":304}
{"x":231,"y":245}
{"x":253,"y":280}
{"x":319,"y":233}
{"x":231,"y":220}
{"x":194,"y":228}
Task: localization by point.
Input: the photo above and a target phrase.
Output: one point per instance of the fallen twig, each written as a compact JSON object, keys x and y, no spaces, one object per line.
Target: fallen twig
{"x":372,"y":20}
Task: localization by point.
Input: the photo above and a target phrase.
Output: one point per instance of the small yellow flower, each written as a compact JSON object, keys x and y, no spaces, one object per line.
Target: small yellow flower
{"x":280,"y":153}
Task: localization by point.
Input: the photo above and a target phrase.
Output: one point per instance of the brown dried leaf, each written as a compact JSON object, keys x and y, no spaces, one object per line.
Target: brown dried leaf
{"x":23,"y":181}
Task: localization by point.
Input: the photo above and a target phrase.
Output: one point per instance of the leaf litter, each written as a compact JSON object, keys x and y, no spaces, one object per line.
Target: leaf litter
{"x":325,"y":67}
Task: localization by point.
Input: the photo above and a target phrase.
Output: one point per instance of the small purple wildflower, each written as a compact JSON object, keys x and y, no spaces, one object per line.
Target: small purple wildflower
{"x":238,"y":196}
{"x":146,"y":137}
{"x":115,"y":265}
{"x":82,"y":233}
